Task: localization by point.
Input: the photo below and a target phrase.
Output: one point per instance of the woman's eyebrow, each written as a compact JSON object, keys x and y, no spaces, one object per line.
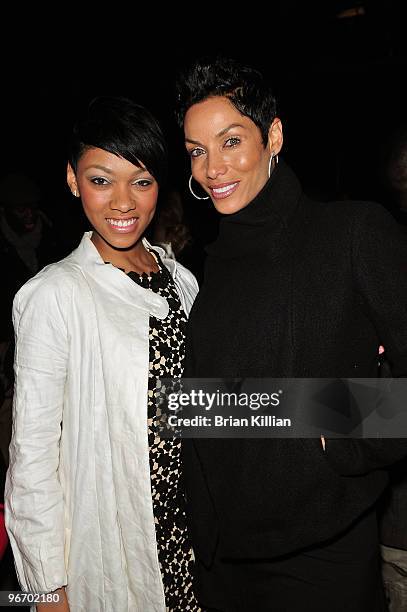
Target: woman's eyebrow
{"x":219,"y":134}
{"x":109,"y":170}
{"x":99,"y":167}
{"x":230,"y":127}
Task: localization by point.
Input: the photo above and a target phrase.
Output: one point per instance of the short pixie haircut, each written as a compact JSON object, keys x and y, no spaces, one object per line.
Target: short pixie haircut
{"x":121,"y":127}
{"x":244,"y":86}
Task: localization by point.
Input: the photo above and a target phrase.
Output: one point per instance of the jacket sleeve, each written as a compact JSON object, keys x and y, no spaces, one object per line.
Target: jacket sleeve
{"x":380,"y":275}
{"x":33,"y":494}
{"x":187,"y":287}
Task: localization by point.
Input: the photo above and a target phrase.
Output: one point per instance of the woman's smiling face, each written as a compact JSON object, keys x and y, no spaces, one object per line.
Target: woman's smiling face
{"x":228,"y":157}
{"x":118,"y":198}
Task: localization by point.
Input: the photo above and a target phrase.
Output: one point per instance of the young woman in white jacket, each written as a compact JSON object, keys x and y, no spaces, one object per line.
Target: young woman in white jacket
{"x":94,"y":498}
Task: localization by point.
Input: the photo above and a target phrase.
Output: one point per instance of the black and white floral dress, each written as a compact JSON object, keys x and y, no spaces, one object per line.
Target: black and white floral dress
{"x":167,"y":346}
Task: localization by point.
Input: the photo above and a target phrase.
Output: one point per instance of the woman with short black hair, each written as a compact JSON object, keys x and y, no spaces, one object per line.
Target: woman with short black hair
{"x":94,"y":497}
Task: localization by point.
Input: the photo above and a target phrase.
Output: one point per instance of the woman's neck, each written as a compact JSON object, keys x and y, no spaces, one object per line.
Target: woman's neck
{"x":136,"y":259}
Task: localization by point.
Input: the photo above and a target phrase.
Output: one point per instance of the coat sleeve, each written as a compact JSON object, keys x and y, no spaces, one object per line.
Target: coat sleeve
{"x":379,"y":261}
{"x":33,"y":494}
{"x":187,"y":287}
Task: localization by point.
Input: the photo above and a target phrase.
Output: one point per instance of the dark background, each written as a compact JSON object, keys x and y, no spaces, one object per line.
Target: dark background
{"x":339,"y":82}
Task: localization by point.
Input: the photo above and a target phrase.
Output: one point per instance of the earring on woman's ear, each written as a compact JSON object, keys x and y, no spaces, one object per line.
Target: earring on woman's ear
{"x":275,"y":157}
{"x":194,"y":194}
{"x":75,"y":193}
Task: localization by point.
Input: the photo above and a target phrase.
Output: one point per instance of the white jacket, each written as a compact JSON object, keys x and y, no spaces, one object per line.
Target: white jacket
{"x":78,"y":497}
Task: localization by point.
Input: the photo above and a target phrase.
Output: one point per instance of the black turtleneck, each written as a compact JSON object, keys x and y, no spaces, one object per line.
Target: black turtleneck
{"x":239,"y":319}
{"x":292,"y":288}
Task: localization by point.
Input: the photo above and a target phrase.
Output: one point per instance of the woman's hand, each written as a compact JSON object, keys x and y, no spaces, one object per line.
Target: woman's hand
{"x":61,"y":606}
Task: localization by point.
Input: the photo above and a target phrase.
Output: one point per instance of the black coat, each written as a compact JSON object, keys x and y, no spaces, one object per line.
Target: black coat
{"x":293,"y":288}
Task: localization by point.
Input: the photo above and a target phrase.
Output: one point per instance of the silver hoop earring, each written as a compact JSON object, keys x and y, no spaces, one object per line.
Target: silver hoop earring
{"x":194,"y":194}
{"x":275,"y":157}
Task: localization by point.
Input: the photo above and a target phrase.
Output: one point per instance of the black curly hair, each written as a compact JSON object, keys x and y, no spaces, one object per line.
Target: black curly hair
{"x":244,"y":86}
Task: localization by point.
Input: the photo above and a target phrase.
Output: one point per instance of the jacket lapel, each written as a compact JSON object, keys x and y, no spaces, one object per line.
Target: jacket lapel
{"x":121,"y":287}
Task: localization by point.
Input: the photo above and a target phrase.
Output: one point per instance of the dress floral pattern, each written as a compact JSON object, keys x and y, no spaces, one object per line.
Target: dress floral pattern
{"x":167,"y":346}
